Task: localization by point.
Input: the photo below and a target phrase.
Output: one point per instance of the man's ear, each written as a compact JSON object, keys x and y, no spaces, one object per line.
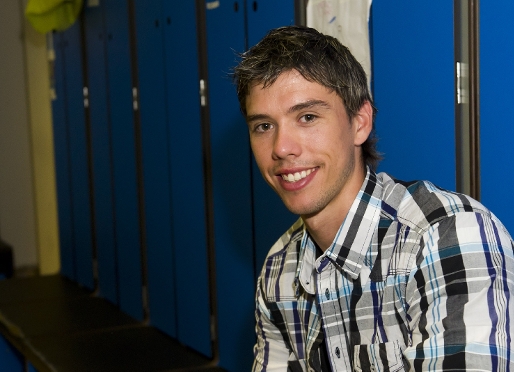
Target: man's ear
{"x":363,"y":123}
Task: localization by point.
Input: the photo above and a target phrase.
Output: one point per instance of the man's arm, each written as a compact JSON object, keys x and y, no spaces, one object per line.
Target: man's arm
{"x":270,"y":351}
{"x":460,"y":297}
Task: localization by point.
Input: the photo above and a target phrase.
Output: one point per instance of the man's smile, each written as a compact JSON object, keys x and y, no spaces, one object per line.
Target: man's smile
{"x":296,"y":176}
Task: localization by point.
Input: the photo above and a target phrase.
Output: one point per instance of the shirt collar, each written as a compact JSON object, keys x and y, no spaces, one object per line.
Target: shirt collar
{"x":352,"y":243}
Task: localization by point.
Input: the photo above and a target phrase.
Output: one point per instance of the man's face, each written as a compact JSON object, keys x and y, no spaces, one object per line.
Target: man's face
{"x":304,"y":144}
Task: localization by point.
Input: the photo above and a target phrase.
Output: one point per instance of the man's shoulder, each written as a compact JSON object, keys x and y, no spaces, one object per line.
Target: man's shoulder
{"x":280,"y":265}
{"x":420,"y":204}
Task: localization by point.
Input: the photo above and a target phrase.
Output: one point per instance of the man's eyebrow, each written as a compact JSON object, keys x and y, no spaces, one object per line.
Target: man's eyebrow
{"x":255,"y":117}
{"x":298,"y":107}
{"x":308,"y":104}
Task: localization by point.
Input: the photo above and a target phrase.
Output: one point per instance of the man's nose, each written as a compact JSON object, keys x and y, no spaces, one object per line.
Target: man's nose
{"x":286,"y":143}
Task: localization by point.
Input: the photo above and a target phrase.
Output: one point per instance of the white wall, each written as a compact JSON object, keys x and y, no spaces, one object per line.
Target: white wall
{"x":17,"y":205}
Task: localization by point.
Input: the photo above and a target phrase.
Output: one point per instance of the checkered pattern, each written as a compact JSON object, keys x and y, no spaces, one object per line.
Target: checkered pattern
{"x":417,"y":278}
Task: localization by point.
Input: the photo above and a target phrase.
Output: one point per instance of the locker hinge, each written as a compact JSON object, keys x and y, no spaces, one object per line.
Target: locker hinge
{"x":144,"y":298}
{"x":203,"y":97}
{"x":213,"y":328}
{"x":50,"y":55}
{"x":85,"y":93}
{"x":135,"y":98}
{"x":462,"y":83}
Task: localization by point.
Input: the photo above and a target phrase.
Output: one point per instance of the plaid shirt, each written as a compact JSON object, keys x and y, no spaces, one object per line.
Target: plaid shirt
{"x":417,"y":278}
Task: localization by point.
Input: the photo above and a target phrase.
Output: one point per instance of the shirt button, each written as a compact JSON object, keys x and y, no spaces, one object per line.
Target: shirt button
{"x":327,"y":294}
{"x":338,"y":352}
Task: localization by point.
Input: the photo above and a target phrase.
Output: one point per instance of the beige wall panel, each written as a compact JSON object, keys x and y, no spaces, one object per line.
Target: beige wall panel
{"x":17,"y":211}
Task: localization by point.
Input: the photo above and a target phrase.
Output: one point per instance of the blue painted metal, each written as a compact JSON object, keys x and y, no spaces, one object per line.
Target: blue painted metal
{"x":496,"y":97}
{"x":62,"y":162}
{"x":413,"y":80}
{"x":101,"y":153}
{"x":264,"y":15}
{"x":78,"y":155}
{"x":126,"y":209}
{"x":271,"y":217}
{"x":225,"y":25}
{"x":10,"y":359}
{"x":156,"y":165}
{"x":187,"y":181}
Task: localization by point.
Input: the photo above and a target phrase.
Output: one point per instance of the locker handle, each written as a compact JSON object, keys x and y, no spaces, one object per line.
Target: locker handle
{"x":255,"y":6}
{"x":203,"y":96}
{"x":135,"y":98}
{"x":85,"y":93}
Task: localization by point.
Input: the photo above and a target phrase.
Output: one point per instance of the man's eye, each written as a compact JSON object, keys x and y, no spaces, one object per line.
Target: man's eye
{"x":263,"y":127}
{"x":308,"y":118}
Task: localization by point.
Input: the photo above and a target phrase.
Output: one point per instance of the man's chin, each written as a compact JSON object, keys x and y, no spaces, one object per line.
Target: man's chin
{"x":303,"y":210}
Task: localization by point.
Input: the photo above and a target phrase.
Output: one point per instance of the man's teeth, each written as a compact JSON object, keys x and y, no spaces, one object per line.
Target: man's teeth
{"x":296,"y":176}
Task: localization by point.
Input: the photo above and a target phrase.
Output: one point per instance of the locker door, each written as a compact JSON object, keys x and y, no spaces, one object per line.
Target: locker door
{"x":271,"y":217}
{"x":187,"y":181}
{"x":79,"y":155}
{"x":11,"y":359}
{"x":156,"y":164}
{"x":100,"y":134}
{"x":62,"y":161}
{"x":496,"y":97}
{"x":413,"y":87}
{"x":264,"y":15}
{"x":126,"y":202}
{"x":231,"y":188}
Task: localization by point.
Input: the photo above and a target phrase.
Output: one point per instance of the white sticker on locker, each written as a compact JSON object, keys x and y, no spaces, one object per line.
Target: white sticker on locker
{"x":213,"y":5}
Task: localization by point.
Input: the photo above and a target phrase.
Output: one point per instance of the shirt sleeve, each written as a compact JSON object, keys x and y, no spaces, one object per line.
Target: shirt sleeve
{"x":270,"y":351}
{"x":460,"y":297}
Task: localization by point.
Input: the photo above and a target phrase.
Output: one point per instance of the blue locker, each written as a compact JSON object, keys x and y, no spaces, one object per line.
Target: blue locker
{"x":225,"y":25}
{"x":72,"y":164}
{"x":62,"y":161}
{"x":80,"y":187}
{"x":271,"y":217}
{"x":123,"y":147}
{"x":100,"y":133}
{"x":496,"y":121}
{"x":187,"y":175}
{"x":264,"y":15}
{"x":413,"y":88}
{"x":10,"y":359}
{"x":156,"y":164}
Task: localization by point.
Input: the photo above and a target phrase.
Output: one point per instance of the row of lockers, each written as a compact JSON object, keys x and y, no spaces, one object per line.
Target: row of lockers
{"x":161,"y":207}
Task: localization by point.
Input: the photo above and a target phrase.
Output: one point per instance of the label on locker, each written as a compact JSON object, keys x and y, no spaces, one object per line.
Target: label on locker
{"x":213,"y":5}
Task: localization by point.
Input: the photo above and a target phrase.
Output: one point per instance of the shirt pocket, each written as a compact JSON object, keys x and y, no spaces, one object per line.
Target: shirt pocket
{"x":382,"y":357}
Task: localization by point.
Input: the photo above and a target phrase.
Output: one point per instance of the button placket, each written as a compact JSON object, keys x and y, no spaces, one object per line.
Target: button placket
{"x":330,"y":312}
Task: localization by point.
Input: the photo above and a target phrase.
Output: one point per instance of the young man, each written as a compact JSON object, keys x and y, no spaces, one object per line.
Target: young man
{"x":377,"y":274}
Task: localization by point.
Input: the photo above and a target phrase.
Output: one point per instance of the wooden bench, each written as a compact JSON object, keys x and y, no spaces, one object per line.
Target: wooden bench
{"x":58,"y":326}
